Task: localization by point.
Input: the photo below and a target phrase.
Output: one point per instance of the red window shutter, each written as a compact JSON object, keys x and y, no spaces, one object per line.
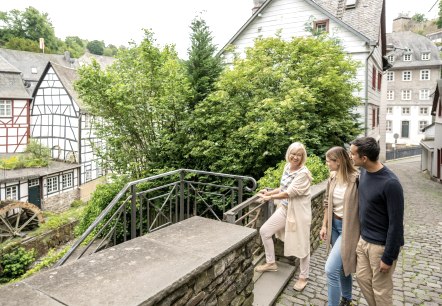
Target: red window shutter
{"x":373,"y":117}
{"x":373,"y":78}
{"x":379,"y":81}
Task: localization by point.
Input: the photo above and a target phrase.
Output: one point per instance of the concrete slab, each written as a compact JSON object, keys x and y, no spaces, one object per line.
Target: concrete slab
{"x":134,"y":272}
{"x":20,"y":294}
{"x":269,"y":285}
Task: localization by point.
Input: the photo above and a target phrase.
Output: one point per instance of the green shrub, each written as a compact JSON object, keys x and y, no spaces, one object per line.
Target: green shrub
{"x":15,"y":263}
{"x":272,"y":176}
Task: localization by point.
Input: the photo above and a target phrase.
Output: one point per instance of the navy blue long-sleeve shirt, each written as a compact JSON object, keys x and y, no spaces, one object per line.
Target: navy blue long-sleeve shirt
{"x":381,"y":211}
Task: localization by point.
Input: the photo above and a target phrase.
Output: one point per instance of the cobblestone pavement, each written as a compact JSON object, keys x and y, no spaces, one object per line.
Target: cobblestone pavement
{"x":418,"y":274}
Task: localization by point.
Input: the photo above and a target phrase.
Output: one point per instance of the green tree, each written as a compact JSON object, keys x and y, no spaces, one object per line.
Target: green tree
{"x":75,"y":45}
{"x":23,"y":44}
{"x":110,"y":50}
{"x":203,"y":66}
{"x":419,"y":18}
{"x":142,"y":101}
{"x":281,"y":92}
{"x":29,"y":24}
{"x":96,"y":47}
{"x":439,"y":19}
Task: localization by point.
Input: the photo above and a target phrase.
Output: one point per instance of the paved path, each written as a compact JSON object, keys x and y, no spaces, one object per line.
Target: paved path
{"x":418,"y":275}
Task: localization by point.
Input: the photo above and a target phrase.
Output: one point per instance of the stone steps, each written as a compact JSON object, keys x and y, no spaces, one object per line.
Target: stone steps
{"x":269,"y":285}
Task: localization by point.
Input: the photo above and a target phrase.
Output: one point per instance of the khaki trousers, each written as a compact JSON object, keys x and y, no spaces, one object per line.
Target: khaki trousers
{"x":377,"y":287}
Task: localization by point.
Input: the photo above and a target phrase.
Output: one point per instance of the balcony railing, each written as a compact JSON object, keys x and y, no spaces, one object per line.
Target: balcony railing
{"x":146,"y":205}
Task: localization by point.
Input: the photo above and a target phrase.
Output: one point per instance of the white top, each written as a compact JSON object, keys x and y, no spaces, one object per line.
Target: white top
{"x":338,"y":199}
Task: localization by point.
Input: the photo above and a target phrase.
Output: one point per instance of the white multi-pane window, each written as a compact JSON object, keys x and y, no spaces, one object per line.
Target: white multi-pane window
{"x":52,"y":184}
{"x":5,"y":108}
{"x":12,"y":193}
{"x":390,"y":58}
{"x":390,"y":94}
{"x":390,"y":76}
{"x":88,"y":175}
{"x":406,"y":94}
{"x":424,"y":94}
{"x":423,"y":110}
{"x":426,"y":56}
{"x":406,"y":75}
{"x":425,"y":74}
{"x":422,"y":124}
{"x":389,"y":110}
{"x":67,"y":180}
{"x":407,"y":57}
{"x":389,"y":126}
{"x":405,"y":110}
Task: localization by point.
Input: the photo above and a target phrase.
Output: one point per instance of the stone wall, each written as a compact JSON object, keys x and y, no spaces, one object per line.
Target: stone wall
{"x":61,"y":202}
{"x":194,"y":262}
{"x":229,"y":281}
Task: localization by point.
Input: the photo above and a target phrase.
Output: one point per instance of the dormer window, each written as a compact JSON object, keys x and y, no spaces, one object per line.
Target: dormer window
{"x":34,"y":70}
{"x":407,"y":57}
{"x":390,"y":58}
{"x":425,"y":56}
{"x":321,"y":26}
{"x":350,"y":4}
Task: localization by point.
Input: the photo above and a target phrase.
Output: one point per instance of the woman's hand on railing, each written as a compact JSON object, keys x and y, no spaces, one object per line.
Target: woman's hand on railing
{"x":265,"y":196}
{"x":323,"y":233}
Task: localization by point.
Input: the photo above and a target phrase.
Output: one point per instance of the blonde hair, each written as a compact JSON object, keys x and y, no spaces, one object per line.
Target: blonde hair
{"x":297,"y":146}
{"x":346,"y":167}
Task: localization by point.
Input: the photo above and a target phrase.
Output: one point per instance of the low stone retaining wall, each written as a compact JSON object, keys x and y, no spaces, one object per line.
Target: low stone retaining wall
{"x":195,"y":262}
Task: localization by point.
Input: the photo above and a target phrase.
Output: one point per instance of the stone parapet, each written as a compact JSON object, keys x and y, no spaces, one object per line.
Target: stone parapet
{"x":194,"y":262}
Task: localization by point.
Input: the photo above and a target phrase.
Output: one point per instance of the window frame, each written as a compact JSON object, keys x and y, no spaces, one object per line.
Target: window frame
{"x":52,"y":187}
{"x":390,"y":95}
{"x":424,"y":57}
{"x":5,"y":108}
{"x":406,"y":93}
{"x":319,"y":23}
{"x":407,"y":57}
{"x":420,"y":125}
{"x":423,"y":97}
{"x":8,"y":189}
{"x":405,"y":113}
{"x":390,"y":76}
{"x":407,"y":76}
{"x":423,"y":111}
{"x":389,"y":126}
{"x":67,"y":180}
{"x":428,"y":75}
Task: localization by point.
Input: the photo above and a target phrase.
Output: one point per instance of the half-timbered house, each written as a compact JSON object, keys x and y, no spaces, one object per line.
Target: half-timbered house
{"x":44,"y":106}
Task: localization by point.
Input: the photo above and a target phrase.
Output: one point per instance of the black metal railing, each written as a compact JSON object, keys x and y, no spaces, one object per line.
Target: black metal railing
{"x":146,"y":205}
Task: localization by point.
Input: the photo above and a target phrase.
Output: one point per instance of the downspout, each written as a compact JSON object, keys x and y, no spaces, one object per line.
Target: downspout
{"x":366,"y":91}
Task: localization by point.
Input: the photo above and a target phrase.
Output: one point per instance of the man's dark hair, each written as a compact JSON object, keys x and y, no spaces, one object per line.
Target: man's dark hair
{"x":367,"y":146}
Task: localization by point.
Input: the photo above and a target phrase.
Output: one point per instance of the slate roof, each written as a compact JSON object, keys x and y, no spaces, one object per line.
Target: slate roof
{"x":11,"y":82}
{"x":365,"y":17}
{"x":418,"y":44}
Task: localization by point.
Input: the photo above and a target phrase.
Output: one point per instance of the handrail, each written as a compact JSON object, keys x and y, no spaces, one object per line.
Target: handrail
{"x":131,"y":187}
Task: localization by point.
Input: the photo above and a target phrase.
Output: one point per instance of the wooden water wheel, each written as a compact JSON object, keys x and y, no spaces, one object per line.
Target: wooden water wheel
{"x":16,"y":218}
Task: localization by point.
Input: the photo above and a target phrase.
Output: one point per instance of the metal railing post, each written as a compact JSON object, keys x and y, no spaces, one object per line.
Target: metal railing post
{"x":181,"y":195}
{"x":240,"y":190}
{"x":133,"y":213}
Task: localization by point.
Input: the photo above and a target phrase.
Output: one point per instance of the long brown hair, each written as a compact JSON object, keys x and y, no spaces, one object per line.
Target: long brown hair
{"x":346,"y":168}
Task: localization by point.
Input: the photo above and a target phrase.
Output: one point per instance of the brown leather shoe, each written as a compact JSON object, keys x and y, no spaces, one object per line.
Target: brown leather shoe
{"x":300,"y":284}
{"x":267,"y":267}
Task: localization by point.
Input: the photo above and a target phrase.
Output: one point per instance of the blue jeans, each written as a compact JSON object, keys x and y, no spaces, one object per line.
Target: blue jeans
{"x":338,"y":284}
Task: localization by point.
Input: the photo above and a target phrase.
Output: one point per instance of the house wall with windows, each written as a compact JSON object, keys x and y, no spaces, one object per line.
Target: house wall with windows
{"x":410,"y":85}
{"x":360,"y":28}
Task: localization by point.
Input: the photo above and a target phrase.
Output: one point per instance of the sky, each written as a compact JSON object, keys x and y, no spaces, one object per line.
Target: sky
{"x":118,"y":22}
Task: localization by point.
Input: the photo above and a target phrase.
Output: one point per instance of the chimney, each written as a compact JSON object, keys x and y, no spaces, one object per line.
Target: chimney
{"x":67,"y":56}
{"x":402,"y":23}
{"x":256,"y":5}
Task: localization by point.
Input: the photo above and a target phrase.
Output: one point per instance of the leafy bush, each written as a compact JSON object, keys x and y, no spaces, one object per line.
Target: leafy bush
{"x":272,"y":176}
{"x":15,"y":263}
{"x":102,"y":196}
{"x":35,"y":156}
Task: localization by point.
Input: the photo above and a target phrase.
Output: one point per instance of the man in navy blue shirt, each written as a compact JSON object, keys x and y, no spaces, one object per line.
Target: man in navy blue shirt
{"x":381,"y":214}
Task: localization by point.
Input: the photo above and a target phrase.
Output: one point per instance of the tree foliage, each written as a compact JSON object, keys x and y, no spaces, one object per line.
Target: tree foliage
{"x":203,"y":66}
{"x":439,"y":19}
{"x":281,"y":92}
{"x":142,"y":100}
{"x":29,"y":24}
{"x":96,"y":47}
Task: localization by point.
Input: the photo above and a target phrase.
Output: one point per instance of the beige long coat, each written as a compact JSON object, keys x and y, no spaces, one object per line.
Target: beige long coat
{"x":350,"y":221}
{"x":296,"y":234}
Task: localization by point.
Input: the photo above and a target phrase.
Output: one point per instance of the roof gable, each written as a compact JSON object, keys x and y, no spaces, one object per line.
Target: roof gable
{"x":350,"y":19}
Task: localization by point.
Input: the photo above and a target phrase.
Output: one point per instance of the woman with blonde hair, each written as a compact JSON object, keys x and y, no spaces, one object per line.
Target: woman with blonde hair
{"x":292,"y":219}
{"x":340,"y":226}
